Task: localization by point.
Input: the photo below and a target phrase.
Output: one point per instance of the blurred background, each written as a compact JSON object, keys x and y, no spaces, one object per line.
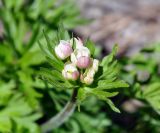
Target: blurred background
{"x":26,"y":101}
{"x":131,"y":24}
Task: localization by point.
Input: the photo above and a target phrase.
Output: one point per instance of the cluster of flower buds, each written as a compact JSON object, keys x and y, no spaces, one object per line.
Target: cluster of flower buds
{"x":79,"y":64}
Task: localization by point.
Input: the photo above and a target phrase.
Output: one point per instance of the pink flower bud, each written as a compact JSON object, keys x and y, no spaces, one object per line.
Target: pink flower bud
{"x":86,"y":79}
{"x":63,"y":50}
{"x":75,"y":75}
{"x":81,"y":54}
{"x":70,"y":72}
{"x":77,"y":41}
{"x":83,"y":62}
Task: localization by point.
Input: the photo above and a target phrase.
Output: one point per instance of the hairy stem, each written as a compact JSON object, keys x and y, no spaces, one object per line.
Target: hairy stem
{"x":62,"y":116}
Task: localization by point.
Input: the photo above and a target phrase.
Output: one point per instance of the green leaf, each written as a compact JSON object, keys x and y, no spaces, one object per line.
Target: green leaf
{"x":110,"y":71}
{"x":152,"y":89}
{"x":31,"y":58}
{"x":108,"y":59}
{"x":90,"y":46}
{"x":31,"y":95}
{"x":43,"y":49}
{"x":115,"y":84}
{"x":81,"y":95}
{"x":53,"y":80}
{"x":112,"y":106}
{"x":6,"y":90}
{"x":62,"y":32}
{"x":34,"y":37}
{"x":102,"y":94}
{"x":106,"y":81}
{"x":55,"y":64}
{"x":53,"y":73}
{"x":50,"y":47}
{"x":5,"y":126}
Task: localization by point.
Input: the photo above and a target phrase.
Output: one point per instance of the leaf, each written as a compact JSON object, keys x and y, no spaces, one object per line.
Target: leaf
{"x":50,"y":47}
{"x":5,"y":126}
{"x":43,"y":49}
{"x":153,"y":88}
{"x":34,"y":37}
{"x":81,"y":96}
{"x":108,"y":59}
{"x":90,"y":46}
{"x":54,"y":81}
{"x":110,"y":71}
{"x":102,"y":94}
{"x":62,"y":32}
{"x":106,"y":81}
{"x":53,"y":73}
{"x":6,"y":90}
{"x":31,"y":58}
{"x":112,"y":106}
{"x":20,"y":112}
{"x":115,"y":84}
{"x":151,"y":95}
{"x":31,"y":95}
{"x":55,"y":64}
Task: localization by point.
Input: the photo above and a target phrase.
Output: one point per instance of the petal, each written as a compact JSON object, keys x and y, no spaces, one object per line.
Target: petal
{"x":95,"y":64}
{"x":73,"y":58}
{"x":88,"y":80}
{"x":70,"y":67}
{"x":59,"y":53}
{"x":78,"y":42}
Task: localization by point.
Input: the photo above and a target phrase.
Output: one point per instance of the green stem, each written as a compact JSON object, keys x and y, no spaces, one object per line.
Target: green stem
{"x":62,"y":116}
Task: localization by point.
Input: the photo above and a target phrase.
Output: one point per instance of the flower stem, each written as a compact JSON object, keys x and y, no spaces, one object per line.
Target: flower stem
{"x":62,"y":116}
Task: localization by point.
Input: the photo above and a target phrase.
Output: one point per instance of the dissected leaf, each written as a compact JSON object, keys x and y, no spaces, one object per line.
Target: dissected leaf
{"x":90,"y":46}
{"x":112,"y":85}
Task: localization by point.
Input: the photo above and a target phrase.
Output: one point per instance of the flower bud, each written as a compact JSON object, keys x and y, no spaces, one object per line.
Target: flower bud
{"x":75,"y":75}
{"x":81,"y":57}
{"x":83,"y":62}
{"x":88,"y":76}
{"x":63,"y":50}
{"x":87,"y":80}
{"x":95,"y":65}
{"x":78,"y":42}
{"x":70,"y":72}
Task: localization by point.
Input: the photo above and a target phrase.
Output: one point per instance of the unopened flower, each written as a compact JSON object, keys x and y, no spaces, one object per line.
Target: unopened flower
{"x":70,"y":72}
{"x":95,"y":65}
{"x":78,"y":42}
{"x":81,"y":57}
{"x":63,"y":50}
{"x":88,"y":76}
{"x":88,"y":80}
{"x":83,"y":62}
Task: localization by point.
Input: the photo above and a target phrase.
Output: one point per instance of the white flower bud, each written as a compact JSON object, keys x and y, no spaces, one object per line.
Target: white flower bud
{"x":88,"y":76}
{"x":95,"y":65}
{"x":78,"y":42}
{"x":63,"y":50}
{"x":87,"y":80}
{"x":83,"y":62}
{"x":70,"y":72}
{"x":81,"y":57}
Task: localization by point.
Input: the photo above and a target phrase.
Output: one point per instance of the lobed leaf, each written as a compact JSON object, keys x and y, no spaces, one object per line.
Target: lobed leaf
{"x":112,"y":106}
{"x":112,"y":85}
{"x":90,"y":46}
{"x":108,"y":59}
